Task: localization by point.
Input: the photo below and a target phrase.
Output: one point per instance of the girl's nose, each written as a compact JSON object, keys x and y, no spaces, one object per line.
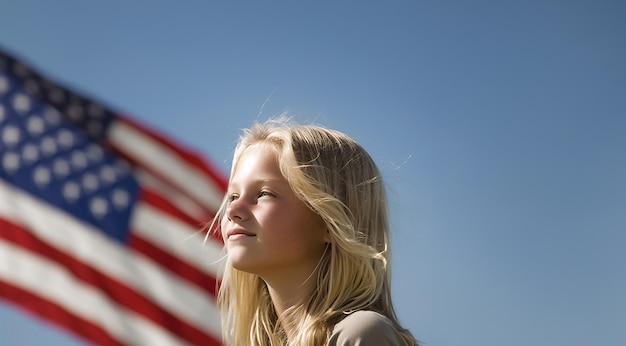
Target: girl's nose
{"x":237,"y":211}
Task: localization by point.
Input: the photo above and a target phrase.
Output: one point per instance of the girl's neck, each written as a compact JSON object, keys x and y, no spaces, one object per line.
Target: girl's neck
{"x":288,"y":289}
{"x":285,"y":298}
{"x":287,"y":295}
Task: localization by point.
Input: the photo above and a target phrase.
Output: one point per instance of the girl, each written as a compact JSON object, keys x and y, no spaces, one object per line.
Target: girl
{"x":305,"y":228}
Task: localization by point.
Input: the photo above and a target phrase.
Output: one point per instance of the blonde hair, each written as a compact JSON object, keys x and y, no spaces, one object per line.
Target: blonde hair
{"x":337,"y":179}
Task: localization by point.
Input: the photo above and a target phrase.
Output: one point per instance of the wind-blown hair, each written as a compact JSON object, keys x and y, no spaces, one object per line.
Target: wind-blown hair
{"x":337,"y":179}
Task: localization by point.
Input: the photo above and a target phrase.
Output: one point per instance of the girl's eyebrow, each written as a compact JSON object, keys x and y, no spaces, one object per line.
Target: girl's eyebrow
{"x":261,"y":181}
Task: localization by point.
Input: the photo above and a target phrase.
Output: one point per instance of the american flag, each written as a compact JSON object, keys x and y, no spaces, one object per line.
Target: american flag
{"x":100,"y":219}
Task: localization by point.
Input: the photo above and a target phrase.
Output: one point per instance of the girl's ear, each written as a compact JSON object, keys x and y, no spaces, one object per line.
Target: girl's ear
{"x":327,"y":238}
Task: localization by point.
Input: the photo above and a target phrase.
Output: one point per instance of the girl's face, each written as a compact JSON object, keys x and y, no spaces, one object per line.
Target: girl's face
{"x":267,"y":230}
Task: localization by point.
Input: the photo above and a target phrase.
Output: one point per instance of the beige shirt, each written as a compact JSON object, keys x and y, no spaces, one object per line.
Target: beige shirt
{"x":365,"y":328}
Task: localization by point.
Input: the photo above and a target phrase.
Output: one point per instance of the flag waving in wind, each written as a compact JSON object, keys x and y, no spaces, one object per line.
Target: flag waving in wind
{"x":100,"y":219}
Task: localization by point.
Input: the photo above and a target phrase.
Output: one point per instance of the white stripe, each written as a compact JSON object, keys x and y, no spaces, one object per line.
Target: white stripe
{"x":54,"y":283}
{"x":181,"y":201}
{"x":179,"y":239}
{"x":92,"y":247}
{"x":160,"y":158}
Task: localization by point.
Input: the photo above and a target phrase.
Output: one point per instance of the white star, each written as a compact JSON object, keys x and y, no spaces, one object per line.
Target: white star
{"x":21,"y":103}
{"x":53,"y":117}
{"x":4,"y":84}
{"x":107,"y":174}
{"x":121,"y":167}
{"x":41,"y":176}
{"x":99,"y":207}
{"x":75,"y":112}
{"x":79,"y":160}
{"x":120,"y":198}
{"x":71,"y":191}
{"x":30,"y":153}
{"x":65,"y":138}
{"x":11,"y":161}
{"x":48,"y":145}
{"x":90,"y":182}
{"x":95,"y":153}
{"x":11,"y":135}
{"x":61,"y":168}
{"x":35,"y":125}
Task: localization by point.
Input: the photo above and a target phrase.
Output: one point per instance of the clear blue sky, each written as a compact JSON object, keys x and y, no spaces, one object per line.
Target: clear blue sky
{"x":500,"y":128}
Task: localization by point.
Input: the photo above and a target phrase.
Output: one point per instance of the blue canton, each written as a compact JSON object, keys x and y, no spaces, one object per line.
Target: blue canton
{"x":50,"y":146}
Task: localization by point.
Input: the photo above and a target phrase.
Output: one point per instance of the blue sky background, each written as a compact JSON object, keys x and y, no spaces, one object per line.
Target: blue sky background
{"x":500,"y":128}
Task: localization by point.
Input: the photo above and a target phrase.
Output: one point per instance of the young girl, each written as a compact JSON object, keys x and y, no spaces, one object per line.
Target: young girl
{"x":305,"y":228}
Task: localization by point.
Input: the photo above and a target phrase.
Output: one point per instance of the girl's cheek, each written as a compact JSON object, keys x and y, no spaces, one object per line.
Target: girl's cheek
{"x":223,"y":225}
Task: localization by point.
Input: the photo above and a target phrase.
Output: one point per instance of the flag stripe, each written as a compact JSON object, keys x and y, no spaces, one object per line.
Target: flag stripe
{"x":110,"y":287}
{"x":178,"y":238}
{"x":103,"y":219}
{"x":26,"y":270}
{"x":165,"y":205}
{"x":180,"y":201}
{"x":187,"y":155}
{"x":174,"y":265}
{"x":196,"y":228}
{"x":164,"y":162}
{"x":64,"y":233}
{"x":48,"y":309}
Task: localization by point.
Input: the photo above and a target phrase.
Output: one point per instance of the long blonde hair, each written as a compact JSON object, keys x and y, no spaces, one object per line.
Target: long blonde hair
{"x":335,"y":177}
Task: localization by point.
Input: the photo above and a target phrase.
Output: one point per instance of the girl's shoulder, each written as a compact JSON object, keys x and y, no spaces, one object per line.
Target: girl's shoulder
{"x":365,"y":328}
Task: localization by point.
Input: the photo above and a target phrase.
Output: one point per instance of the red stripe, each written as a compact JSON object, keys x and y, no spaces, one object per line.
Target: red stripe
{"x":115,"y":289}
{"x":172,"y":263}
{"x":187,"y":155}
{"x":154,"y":199}
{"x":56,"y":314}
{"x":166,"y":259}
{"x":163,"y":179}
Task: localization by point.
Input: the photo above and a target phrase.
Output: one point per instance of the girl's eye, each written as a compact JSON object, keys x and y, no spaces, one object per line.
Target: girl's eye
{"x":265,"y":193}
{"x":232,"y":197}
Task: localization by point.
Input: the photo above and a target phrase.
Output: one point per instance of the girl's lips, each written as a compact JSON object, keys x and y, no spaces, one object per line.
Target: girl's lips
{"x":234,"y":234}
{"x":238,"y":236}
